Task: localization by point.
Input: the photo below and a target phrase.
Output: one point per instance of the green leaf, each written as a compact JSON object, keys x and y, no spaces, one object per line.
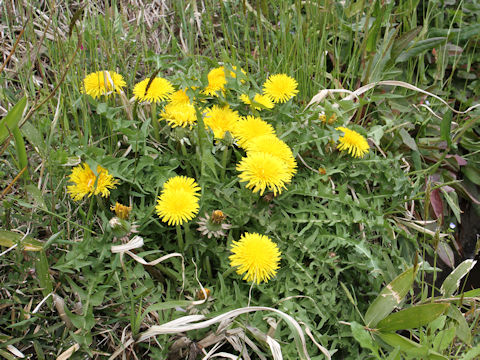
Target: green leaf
{"x":472,"y":174}
{"x":390,"y":297}
{"x":363,"y":337}
{"x":165,"y":306}
{"x":34,"y":137}
{"x":11,"y":120}
{"x":402,"y":42}
{"x":408,"y":140}
{"x":443,"y":339}
{"x":413,"y":317}
{"x":420,"y":47}
{"x":445,"y":128}
{"x":410,"y":347}
{"x":462,"y":330}
{"x":452,"y":282}
{"x":37,"y":196}
{"x":472,"y":354}
{"x":43,"y":275}
{"x":27,"y":243}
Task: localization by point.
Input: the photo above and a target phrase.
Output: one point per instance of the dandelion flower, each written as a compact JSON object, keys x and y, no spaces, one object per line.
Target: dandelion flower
{"x":256,"y":256}
{"x":217,"y":80}
{"x":86,"y":183}
{"x":178,"y":202}
{"x":264,"y":171}
{"x":179,"y":114}
{"x":160,"y":89}
{"x":221,"y":120}
{"x":250,"y":127}
{"x":179,"y":97}
{"x":184,"y":183}
{"x":121,"y":211}
{"x":353,"y":142}
{"x":280,"y":88}
{"x":272,"y":145}
{"x":102,"y":83}
{"x":259,"y":99}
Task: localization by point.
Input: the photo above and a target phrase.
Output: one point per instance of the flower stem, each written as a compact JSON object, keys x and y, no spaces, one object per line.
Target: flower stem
{"x":184,"y":153}
{"x":225,"y":158}
{"x":86,"y":235}
{"x":181,"y":245}
{"x":208,"y":267}
{"x":156,"y":127}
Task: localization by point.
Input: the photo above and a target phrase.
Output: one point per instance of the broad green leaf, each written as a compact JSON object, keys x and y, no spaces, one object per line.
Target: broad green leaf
{"x":420,"y":47}
{"x":472,"y":173}
{"x":443,"y":339}
{"x":410,"y":347}
{"x":462,"y":330}
{"x":408,"y":140}
{"x":390,"y":297}
{"x":472,"y":354}
{"x":413,"y":317}
{"x":12,"y":119}
{"x":10,"y":238}
{"x":471,"y":293}
{"x":363,"y":337}
{"x":34,"y":137}
{"x":406,"y":345}
{"x":452,"y":282}
{"x":402,"y":42}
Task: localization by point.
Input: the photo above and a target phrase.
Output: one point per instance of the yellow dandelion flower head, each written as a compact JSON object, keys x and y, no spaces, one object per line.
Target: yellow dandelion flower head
{"x":121,"y":211}
{"x":272,"y":145}
{"x":184,"y":183}
{"x":216,"y":81}
{"x":250,"y":127}
{"x":221,"y":120}
{"x":256,"y":256}
{"x":259,"y":99}
{"x":86,"y":183}
{"x":245,"y":99}
{"x":264,"y":171}
{"x":179,"y":97}
{"x":178,"y":202}
{"x":353,"y":142}
{"x":160,"y":89}
{"x":103,"y":83}
{"x":179,"y":114}
{"x":280,"y":88}
{"x":263,"y":100}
